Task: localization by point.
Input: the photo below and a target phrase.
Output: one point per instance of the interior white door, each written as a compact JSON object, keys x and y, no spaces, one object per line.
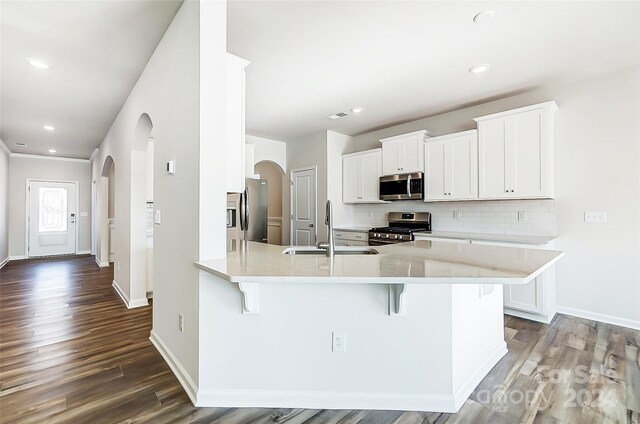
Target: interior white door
{"x":303,"y":198}
{"x":52,"y":218}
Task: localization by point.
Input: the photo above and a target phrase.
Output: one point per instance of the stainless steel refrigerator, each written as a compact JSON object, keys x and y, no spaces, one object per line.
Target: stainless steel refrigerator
{"x":251,"y":210}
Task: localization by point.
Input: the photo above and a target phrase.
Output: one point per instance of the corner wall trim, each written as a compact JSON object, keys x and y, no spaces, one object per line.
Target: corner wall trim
{"x":130,"y":304}
{"x":4,"y":262}
{"x":101,"y":264}
{"x":178,"y":370}
{"x":17,"y":258}
{"x":607,"y":319}
{"x":84,"y":252}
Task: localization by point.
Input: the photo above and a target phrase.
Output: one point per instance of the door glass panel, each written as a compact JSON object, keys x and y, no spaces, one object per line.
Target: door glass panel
{"x":53,"y":209}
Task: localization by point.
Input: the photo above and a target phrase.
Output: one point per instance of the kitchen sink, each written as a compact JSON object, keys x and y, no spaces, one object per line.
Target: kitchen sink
{"x":310,"y":250}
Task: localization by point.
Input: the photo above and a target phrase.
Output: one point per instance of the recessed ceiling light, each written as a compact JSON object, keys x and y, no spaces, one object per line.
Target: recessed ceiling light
{"x":20,"y":144}
{"x":40,"y":64}
{"x":49,"y":127}
{"x":480,"y":68}
{"x":52,"y":150}
{"x":357,"y":109}
{"x":484,"y":17}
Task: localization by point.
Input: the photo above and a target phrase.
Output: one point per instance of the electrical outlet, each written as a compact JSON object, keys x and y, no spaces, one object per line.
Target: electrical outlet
{"x":181,"y":323}
{"x":157,"y":217}
{"x":456,"y":215}
{"x":339,"y":343}
{"x":595,"y":217}
{"x":522,"y":216}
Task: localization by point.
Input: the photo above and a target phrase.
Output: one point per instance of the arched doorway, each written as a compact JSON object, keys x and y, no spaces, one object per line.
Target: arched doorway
{"x":271,"y":172}
{"x":141,"y":235}
{"x":107,"y":215}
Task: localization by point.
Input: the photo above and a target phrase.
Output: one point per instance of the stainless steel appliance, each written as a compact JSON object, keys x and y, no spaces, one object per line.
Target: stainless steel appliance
{"x":250,"y":211}
{"x":402,"y":226}
{"x":402,"y":186}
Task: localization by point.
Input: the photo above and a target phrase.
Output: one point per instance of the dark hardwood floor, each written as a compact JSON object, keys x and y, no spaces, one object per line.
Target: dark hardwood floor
{"x":71,"y":352}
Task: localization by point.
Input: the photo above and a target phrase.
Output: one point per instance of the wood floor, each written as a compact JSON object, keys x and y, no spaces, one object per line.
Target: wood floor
{"x":71,"y":352}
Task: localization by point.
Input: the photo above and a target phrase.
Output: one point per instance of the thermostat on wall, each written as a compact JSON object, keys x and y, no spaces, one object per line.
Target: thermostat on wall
{"x":171,"y":167}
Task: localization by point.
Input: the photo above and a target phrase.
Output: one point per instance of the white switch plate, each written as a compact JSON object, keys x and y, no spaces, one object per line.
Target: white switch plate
{"x":522,"y":216}
{"x":157,"y":217}
{"x":181,"y":323}
{"x":456,"y":215}
{"x":339,"y":343}
{"x":595,"y":217}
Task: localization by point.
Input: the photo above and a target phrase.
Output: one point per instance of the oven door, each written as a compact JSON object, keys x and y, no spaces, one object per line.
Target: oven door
{"x":402,"y":187}
{"x":382,"y":242}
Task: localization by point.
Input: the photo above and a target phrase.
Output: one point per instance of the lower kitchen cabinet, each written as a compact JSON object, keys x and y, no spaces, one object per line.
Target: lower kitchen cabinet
{"x":351,"y":238}
{"x":535,"y":300}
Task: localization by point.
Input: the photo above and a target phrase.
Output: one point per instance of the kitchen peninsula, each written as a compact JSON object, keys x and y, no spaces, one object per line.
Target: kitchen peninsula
{"x":414,"y":327}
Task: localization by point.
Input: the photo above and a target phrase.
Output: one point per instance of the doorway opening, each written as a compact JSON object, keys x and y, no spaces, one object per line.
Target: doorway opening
{"x":108,"y":222}
{"x":303,"y":207}
{"x":271,"y":172}
{"x":51,"y":227}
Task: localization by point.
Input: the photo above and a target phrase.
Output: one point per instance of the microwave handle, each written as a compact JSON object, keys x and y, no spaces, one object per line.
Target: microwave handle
{"x":409,"y":186}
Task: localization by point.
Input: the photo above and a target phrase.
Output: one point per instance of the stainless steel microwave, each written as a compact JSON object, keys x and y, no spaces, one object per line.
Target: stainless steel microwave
{"x":402,"y":186}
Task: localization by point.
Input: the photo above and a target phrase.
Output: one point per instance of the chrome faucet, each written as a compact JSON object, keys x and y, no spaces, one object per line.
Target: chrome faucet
{"x":329,"y":245}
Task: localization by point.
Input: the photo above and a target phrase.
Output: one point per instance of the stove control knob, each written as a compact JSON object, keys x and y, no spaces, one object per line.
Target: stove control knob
{"x":396,"y":237}
{"x":385,"y":236}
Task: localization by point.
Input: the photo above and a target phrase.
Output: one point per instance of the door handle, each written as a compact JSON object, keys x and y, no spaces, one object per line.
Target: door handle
{"x":311,"y":225}
{"x":241,"y":206}
{"x":246,"y":209}
{"x":409,"y":185}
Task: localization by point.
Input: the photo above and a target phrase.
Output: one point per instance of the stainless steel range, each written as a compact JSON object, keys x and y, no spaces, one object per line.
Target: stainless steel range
{"x":401,"y":227}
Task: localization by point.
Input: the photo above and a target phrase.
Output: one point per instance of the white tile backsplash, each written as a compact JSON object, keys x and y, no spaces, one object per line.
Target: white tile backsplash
{"x":497,"y":217}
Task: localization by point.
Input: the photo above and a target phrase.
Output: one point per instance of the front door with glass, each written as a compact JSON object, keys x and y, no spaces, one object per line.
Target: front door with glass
{"x":52,"y":218}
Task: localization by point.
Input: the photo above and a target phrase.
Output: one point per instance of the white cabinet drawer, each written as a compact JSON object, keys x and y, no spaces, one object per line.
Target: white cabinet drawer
{"x":351,"y":235}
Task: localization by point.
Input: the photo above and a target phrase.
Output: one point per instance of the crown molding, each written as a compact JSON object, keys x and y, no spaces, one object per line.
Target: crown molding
{"x":94,"y":154}
{"x":4,"y":147}
{"x":27,"y":156}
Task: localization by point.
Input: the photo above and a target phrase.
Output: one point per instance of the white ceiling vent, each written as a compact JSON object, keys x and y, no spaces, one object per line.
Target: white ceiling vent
{"x":338,"y":115}
{"x":20,"y":144}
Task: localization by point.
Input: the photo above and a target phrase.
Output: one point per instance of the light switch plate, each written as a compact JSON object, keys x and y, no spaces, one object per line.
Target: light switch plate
{"x":522,"y":216}
{"x":157,"y":217}
{"x":595,"y":217}
{"x":456,"y":215}
{"x":339,"y":342}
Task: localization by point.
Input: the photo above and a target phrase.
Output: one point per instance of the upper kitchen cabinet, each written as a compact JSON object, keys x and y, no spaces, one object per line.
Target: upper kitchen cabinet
{"x":360,"y":176}
{"x":403,"y":153}
{"x":516,"y":153}
{"x":451,"y":163}
{"x":235,"y":139}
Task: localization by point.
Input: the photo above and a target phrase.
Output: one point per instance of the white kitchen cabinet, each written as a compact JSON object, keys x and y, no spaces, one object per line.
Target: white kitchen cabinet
{"x":351,"y":238}
{"x":403,"y":154}
{"x":235,"y":136}
{"x":451,"y":167}
{"x":535,"y":300}
{"x":515,"y":151}
{"x":360,"y":176}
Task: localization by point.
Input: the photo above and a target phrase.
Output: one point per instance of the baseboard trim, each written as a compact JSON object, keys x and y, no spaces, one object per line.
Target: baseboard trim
{"x":178,"y":370}
{"x":130,"y":304}
{"x":325,"y":400}
{"x":101,"y":264}
{"x":4,"y":262}
{"x":17,"y":258}
{"x":464,"y":391}
{"x":84,"y":252}
{"x":546,"y":318}
{"x":607,"y":319}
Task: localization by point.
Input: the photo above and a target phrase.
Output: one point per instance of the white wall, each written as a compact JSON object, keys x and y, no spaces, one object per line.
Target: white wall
{"x":596,"y":169}
{"x":338,"y":145}
{"x":4,"y":203}
{"x":23,"y":167}
{"x":267,"y":149}
{"x":190,"y":129}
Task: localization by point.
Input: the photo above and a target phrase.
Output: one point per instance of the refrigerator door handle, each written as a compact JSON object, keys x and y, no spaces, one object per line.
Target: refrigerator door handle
{"x":246,"y":209}
{"x":241,"y":211}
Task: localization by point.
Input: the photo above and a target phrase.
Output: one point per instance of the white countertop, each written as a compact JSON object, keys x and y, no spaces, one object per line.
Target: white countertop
{"x":353,"y":229}
{"x":500,"y":238}
{"x":418,"y":262}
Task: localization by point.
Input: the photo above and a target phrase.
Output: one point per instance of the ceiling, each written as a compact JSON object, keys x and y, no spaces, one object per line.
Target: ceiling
{"x":407,"y":60}
{"x":96,"y":49}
